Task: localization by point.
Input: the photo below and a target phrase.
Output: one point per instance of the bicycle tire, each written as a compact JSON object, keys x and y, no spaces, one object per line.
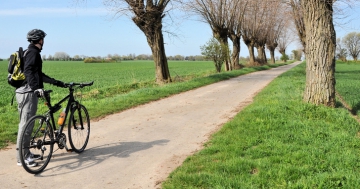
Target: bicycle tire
{"x":79,"y":128}
{"x":41,"y":138}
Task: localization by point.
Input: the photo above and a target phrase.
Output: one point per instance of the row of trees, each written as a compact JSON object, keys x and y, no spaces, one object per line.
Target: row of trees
{"x":260,"y":24}
{"x":348,"y":46}
{"x":219,"y":53}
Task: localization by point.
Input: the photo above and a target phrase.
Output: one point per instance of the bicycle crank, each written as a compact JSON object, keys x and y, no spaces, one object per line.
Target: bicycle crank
{"x":62,"y":142}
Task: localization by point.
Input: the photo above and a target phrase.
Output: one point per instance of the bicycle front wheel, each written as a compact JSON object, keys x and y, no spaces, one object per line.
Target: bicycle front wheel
{"x":36,"y":146}
{"x":79,"y":128}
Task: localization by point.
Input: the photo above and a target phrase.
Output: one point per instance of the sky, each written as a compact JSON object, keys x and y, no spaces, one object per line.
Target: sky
{"x":91,"y":29}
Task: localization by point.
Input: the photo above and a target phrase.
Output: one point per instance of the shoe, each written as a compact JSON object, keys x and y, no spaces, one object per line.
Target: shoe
{"x":30,"y":160}
{"x":29,"y":164}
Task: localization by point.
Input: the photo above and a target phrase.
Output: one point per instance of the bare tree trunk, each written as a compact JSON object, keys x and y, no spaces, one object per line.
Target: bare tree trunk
{"x":156,"y":43}
{"x":222,"y":36}
{"x":272,"y":55}
{"x":265,"y":57}
{"x":261,"y":54}
{"x":320,"y":52}
{"x":236,"y":51}
{"x":251,"y":52}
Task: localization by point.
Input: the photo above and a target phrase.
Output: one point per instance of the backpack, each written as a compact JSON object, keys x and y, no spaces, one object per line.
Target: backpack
{"x":16,"y":77}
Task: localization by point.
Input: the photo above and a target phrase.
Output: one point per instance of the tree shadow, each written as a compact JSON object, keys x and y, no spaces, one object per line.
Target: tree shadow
{"x":347,"y":71}
{"x":355,"y":109}
{"x":95,"y":155}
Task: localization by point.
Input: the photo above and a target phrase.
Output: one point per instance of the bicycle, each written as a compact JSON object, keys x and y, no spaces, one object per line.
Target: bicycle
{"x":44,"y":133}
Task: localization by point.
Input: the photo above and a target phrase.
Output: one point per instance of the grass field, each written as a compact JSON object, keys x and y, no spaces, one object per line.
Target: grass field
{"x":348,"y":85}
{"x":281,"y":142}
{"x":117,"y":86}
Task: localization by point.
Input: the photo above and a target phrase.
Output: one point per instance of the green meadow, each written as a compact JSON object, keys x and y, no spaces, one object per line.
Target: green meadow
{"x":348,"y":85}
{"x":281,"y":142}
{"x":117,"y":86}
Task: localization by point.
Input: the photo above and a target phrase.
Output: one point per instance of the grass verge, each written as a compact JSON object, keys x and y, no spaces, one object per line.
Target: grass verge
{"x":278,"y":142}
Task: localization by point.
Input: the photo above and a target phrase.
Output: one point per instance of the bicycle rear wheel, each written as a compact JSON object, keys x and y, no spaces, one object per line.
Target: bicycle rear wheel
{"x":36,"y":146}
{"x":79,"y":128}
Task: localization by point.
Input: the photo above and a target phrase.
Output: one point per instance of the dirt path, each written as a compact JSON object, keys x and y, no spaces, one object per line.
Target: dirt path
{"x":138,"y":148}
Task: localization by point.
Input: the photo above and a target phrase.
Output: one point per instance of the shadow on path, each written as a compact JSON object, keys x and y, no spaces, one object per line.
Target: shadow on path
{"x":95,"y":155}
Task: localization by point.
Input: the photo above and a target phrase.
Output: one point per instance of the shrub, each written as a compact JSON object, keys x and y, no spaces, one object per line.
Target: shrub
{"x":96,"y":60}
{"x":284,"y":57}
{"x":215,"y":51}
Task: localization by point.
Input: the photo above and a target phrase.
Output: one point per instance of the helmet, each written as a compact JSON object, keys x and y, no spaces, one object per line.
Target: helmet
{"x":35,"y":35}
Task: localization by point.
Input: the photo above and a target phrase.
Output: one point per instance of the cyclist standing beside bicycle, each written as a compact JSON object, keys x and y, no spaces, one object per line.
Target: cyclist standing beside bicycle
{"x":25,"y":95}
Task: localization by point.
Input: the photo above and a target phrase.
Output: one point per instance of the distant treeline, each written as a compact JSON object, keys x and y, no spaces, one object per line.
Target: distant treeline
{"x":62,"y":56}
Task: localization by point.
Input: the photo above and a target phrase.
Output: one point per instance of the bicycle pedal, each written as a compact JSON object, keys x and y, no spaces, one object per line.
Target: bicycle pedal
{"x":69,"y":150}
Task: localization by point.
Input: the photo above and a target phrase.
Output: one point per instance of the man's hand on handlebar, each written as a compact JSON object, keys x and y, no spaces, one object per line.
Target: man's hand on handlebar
{"x":59,"y":83}
{"x":39,"y":92}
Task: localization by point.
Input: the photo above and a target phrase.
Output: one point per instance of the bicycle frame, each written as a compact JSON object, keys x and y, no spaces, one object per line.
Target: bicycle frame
{"x":71,"y":103}
{"x":57,"y":107}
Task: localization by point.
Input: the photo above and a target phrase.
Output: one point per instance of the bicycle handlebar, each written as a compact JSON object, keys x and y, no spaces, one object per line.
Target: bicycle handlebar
{"x":81,"y":85}
{"x":68,"y":85}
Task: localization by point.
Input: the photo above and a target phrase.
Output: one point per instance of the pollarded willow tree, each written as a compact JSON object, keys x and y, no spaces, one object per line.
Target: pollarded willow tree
{"x":215,"y":13}
{"x":314,"y":20}
{"x":272,"y":40}
{"x":254,"y":29}
{"x":234,"y":24}
{"x":278,"y":29}
{"x":148,"y":16}
{"x":271,"y":24}
{"x":286,"y":37}
{"x":279,"y":36}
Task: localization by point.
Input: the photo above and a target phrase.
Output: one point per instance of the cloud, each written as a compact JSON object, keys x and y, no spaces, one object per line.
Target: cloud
{"x":31,"y":11}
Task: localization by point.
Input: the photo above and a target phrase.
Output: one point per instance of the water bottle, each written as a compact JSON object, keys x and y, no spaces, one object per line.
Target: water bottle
{"x":61,"y":117}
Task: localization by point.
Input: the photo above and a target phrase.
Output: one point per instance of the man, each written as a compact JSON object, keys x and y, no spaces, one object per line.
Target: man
{"x":26,"y":95}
